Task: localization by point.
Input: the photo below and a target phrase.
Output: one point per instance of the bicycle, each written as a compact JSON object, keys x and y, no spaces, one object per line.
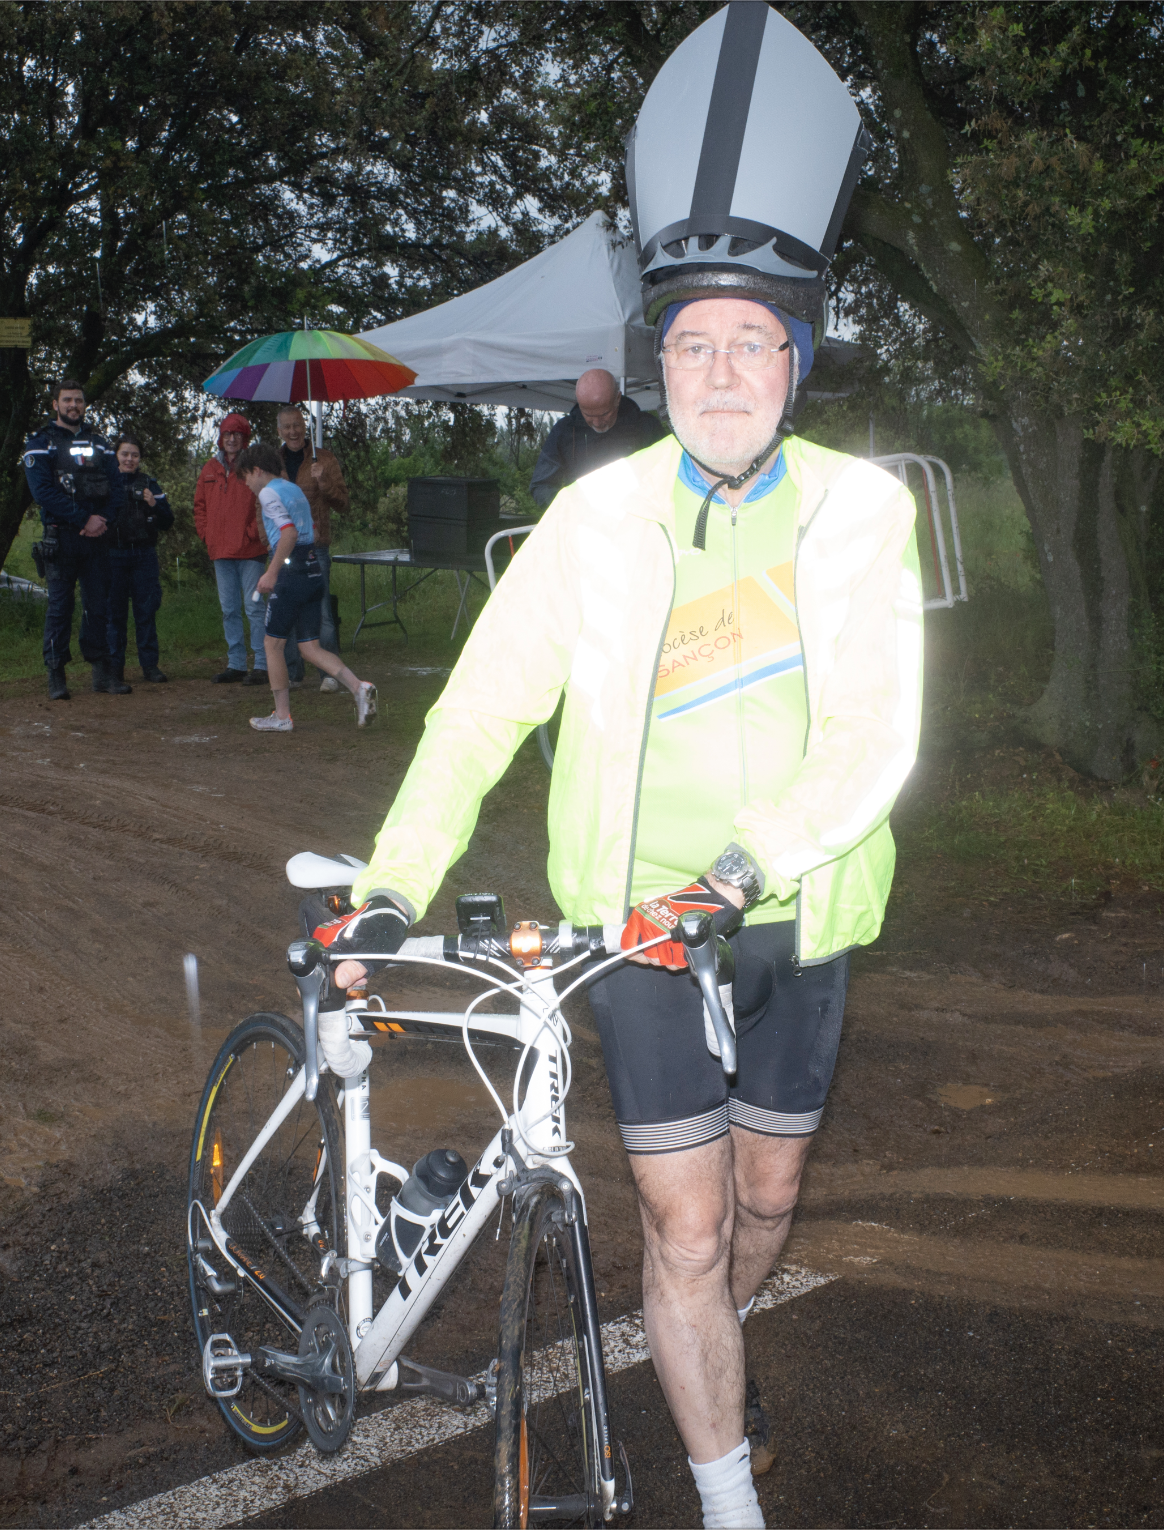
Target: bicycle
{"x":284,"y":1230}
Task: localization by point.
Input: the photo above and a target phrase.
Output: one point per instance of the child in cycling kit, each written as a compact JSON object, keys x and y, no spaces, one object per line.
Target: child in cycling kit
{"x":294,"y":583}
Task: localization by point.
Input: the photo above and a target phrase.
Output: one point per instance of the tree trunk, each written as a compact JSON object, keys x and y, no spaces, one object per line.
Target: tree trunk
{"x":1090,"y":508}
{"x":16,"y":409}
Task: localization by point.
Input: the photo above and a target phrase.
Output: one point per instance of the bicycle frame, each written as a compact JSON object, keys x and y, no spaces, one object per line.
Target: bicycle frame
{"x":540,"y":1124}
{"x":531,"y":1144}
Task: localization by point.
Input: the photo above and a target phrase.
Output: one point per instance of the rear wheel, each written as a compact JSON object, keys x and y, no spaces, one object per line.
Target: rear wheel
{"x":287,"y":1204}
{"x":546,"y":1466}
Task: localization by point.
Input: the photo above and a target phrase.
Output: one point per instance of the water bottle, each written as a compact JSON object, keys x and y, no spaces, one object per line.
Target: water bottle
{"x":434,"y":1181}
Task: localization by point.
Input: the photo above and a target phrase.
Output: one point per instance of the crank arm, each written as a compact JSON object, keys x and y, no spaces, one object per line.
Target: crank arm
{"x":421,"y":1380}
{"x":310,"y":1371}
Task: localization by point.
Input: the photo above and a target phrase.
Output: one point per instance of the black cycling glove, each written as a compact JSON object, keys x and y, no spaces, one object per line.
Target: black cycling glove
{"x":378,"y":925}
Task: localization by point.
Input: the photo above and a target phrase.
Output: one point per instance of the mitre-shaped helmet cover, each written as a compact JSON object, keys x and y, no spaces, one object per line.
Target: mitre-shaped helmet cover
{"x":741,"y":165}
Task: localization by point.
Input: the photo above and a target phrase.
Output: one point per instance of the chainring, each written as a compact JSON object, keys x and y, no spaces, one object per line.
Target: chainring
{"x":328,"y":1415}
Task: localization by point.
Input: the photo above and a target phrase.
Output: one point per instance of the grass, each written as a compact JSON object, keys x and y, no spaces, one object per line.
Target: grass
{"x":1048,"y":840}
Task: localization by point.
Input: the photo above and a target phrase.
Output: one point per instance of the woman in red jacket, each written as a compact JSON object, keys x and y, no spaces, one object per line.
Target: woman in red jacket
{"x":224,"y":518}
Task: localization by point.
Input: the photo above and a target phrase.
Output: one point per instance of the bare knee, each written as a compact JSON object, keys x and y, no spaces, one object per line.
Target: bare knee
{"x":768,"y":1179}
{"x":687,"y":1241}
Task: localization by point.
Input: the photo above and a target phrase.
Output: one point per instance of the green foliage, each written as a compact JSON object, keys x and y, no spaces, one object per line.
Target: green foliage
{"x":1042,"y":838}
{"x":1065,"y":169}
{"x":178,"y":178}
{"x":382,"y":446}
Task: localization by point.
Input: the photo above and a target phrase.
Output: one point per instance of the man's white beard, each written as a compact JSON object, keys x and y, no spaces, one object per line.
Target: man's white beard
{"x":704,"y":436}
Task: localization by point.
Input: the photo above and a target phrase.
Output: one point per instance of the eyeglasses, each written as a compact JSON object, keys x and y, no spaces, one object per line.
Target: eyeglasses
{"x":749,"y":356}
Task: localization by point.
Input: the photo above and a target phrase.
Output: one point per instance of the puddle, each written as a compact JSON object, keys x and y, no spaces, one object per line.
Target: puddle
{"x":965,"y":1096}
{"x":438,"y":1104}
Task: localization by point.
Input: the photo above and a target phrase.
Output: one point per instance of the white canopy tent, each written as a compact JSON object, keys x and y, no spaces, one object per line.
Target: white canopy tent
{"x":527,"y":337}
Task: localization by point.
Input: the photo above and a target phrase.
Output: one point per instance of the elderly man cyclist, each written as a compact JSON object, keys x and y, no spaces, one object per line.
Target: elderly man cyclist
{"x":734,"y":616}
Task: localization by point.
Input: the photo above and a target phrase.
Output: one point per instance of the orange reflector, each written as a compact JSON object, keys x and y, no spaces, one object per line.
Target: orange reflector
{"x":216,"y":1166}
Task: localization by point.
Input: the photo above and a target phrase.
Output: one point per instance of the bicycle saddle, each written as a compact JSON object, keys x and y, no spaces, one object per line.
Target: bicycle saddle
{"x":314,"y":872}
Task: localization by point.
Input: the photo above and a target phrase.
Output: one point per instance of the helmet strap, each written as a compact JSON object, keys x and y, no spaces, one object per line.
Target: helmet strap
{"x":784,"y":428}
{"x":699,"y":538}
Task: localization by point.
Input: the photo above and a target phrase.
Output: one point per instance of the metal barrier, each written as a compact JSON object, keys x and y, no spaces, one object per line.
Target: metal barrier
{"x":901,"y":461}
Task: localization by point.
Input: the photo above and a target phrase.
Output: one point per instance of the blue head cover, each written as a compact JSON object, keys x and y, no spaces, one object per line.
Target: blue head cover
{"x":797,"y":330}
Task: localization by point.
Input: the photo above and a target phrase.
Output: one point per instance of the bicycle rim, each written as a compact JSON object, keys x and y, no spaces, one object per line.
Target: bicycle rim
{"x":546,"y":1460}
{"x":269,"y":1217}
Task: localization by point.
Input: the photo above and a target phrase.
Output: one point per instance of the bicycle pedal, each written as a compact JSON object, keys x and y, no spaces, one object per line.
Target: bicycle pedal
{"x":223,"y":1366}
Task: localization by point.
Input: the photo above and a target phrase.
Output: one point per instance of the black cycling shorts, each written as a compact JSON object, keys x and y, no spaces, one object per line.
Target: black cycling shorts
{"x":295,"y":604}
{"x":670,"y":1093}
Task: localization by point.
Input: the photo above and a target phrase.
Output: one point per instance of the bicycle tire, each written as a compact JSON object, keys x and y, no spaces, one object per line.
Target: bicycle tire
{"x":546,"y":1455}
{"x":252,"y":1071}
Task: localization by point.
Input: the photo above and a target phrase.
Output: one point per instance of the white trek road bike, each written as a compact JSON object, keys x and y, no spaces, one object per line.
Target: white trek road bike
{"x":292,"y":1212}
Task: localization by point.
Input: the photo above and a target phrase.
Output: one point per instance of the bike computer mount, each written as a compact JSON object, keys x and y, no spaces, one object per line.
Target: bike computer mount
{"x":481,"y":914}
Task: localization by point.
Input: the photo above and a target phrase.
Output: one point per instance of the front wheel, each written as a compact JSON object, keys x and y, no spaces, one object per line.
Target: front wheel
{"x":550,"y":1401}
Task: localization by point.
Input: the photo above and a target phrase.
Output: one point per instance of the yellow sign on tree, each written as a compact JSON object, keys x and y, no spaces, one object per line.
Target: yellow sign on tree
{"x":15,"y":333}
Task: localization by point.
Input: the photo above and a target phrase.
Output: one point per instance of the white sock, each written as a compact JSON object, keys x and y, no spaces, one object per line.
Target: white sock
{"x":727,"y":1491}
{"x":742,"y":1312}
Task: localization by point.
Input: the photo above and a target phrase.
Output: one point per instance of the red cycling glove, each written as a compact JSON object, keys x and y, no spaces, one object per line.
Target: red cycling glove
{"x":658,"y":916}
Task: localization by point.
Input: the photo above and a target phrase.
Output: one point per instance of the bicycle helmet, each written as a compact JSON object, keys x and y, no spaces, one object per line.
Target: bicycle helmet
{"x":740,"y":170}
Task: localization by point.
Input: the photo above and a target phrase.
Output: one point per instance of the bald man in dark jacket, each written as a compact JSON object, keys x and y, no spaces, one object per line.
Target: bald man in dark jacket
{"x":601,"y":427}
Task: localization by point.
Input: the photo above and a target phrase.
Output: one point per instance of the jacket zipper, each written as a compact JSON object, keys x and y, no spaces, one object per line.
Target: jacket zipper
{"x":630,"y":869}
{"x":738,"y":639}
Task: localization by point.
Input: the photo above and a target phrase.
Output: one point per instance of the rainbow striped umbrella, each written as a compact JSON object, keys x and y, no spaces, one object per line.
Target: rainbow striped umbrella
{"x":317,"y":365}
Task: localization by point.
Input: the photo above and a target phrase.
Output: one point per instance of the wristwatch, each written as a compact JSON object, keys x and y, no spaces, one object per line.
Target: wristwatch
{"x":737,"y":869}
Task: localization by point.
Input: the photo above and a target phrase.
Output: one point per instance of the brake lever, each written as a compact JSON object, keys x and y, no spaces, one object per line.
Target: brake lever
{"x":305,"y":959}
{"x":700,"y":944}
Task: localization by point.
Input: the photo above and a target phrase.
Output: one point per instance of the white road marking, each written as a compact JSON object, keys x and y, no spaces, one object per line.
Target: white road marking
{"x":258,"y":1486}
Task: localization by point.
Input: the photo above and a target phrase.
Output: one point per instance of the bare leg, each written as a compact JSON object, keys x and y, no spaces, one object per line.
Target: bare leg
{"x":277,"y":675}
{"x":714,"y":1221}
{"x":331,"y":664}
{"x":687,"y":1203}
{"x":767,"y":1182}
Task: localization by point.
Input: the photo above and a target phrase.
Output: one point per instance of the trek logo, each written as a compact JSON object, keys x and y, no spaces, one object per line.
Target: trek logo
{"x":555,"y":1101}
{"x":444,"y":1227}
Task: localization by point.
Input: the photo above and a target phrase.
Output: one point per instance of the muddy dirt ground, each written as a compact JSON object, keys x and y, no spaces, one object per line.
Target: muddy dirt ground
{"x":986,"y":1185}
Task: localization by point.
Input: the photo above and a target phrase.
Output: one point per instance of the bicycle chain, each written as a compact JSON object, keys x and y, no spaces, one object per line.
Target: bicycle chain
{"x":279,"y":1398}
{"x":271,"y":1239}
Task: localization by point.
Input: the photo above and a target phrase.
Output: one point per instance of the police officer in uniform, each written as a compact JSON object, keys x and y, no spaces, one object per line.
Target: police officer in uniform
{"x":75,"y":482}
{"x":133,"y":562}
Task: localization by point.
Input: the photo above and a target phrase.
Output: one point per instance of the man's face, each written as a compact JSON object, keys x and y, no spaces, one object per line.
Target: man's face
{"x":598,"y":396}
{"x":128,"y":457}
{"x":231,"y":442}
{"x":69,"y":407}
{"x":723,"y":414}
{"x":292,"y":431}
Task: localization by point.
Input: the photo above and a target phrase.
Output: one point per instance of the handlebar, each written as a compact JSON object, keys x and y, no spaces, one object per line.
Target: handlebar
{"x":528,"y":945}
{"x":710,"y":958}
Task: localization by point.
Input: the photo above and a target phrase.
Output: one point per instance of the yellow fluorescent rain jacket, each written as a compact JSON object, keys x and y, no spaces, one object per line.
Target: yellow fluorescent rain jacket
{"x":585,"y":606}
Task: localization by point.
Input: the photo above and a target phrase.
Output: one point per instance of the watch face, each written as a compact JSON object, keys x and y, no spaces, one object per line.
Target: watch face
{"x":732,"y":867}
